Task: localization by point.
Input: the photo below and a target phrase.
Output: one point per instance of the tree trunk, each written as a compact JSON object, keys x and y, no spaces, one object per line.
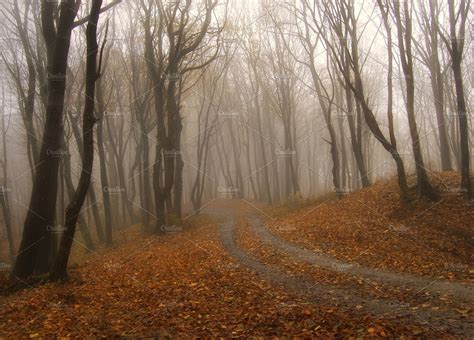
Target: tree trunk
{"x":405,"y":42}
{"x":178,"y":182}
{"x":466,"y":188}
{"x":91,"y":192}
{"x":146,"y":183}
{"x":262,"y":148}
{"x":104,"y":180}
{"x":7,"y":217}
{"x":35,"y":248}
{"x":355,"y":143}
{"x":160,"y":197}
{"x":95,"y":213}
{"x":72,"y":213}
{"x":86,"y":235}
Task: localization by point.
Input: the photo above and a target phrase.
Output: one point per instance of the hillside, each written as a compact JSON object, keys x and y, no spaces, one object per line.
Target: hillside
{"x":362,"y":266}
{"x":374,"y":228}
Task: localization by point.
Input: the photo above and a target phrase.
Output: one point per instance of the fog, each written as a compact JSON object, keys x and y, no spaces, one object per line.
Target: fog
{"x":161,"y":109}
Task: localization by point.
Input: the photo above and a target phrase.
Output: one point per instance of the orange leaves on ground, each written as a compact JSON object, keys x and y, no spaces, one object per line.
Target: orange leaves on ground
{"x":178,"y":285}
{"x":372,"y":227}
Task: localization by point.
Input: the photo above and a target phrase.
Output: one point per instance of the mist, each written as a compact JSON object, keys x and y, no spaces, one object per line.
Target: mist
{"x":225,"y":130}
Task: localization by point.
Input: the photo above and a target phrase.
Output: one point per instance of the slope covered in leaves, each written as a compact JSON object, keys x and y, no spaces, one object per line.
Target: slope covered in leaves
{"x":372,"y":227}
{"x":186,"y":284}
{"x":177,"y":285}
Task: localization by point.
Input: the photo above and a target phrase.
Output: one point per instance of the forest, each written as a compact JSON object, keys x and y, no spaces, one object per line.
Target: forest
{"x":236,"y":169}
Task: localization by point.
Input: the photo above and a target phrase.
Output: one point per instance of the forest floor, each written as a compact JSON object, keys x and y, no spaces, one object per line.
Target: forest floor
{"x":362,"y":266}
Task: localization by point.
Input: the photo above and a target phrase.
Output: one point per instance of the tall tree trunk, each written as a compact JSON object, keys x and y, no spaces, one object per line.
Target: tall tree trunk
{"x":146,"y":182}
{"x":160,"y":197}
{"x":27,"y":103}
{"x":8,"y":221}
{"x":463,"y":129}
{"x":437,"y":86}
{"x":91,"y":192}
{"x":7,"y":217}
{"x":72,"y":213}
{"x":238,"y":168}
{"x":104,"y":180}
{"x":359,"y":93}
{"x":178,"y":182}
{"x":456,"y":49}
{"x":276,"y":174}
{"x":95,"y":213}
{"x":355,"y":142}
{"x":266,"y":174}
{"x":343,"y":170}
{"x":326,"y":110}
{"x":67,"y":175}
{"x":35,"y":249}
{"x":404,"y":29}
{"x":118,"y":157}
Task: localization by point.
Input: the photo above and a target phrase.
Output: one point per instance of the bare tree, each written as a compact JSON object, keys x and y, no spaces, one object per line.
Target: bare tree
{"x":35,"y":247}
{"x":104,"y":178}
{"x":405,"y":38}
{"x":209,"y":102}
{"x":333,"y":12}
{"x":165,"y":70}
{"x":309,"y":36}
{"x":143,"y":122}
{"x":59,"y":269}
{"x":429,"y":52}
{"x":18,"y":23}
{"x":7,"y":216}
{"x":283,"y":69}
{"x":253,"y":54}
{"x":455,"y":44}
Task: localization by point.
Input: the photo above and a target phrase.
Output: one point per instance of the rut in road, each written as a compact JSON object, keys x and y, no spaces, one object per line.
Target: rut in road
{"x":460,"y":291}
{"x":349,"y":298}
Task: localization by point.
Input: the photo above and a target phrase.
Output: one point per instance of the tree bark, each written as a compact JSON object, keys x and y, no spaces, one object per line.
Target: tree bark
{"x":5,"y":190}
{"x":456,"y":48}
{"x":35,"y":248}
{"x":104,"y":179}
{"x":72,"y":213}
{"x":86,"y":235}
{"x":404,"y":28}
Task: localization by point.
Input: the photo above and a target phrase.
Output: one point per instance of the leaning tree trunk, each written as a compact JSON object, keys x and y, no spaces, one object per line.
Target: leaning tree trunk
{"x":358,"y":89}
{"x":404,"y":30}
{"x":355,"y":142}
{"x":378,"y":134}
{"x":92,"y":196}
{"x":74,"y":208}
{"x":35,"y":248}
{"x":86,"y":235}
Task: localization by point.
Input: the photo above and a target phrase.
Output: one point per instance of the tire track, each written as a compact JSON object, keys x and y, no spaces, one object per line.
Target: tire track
{"x":462,"y":293}
{"x":347,"y":299}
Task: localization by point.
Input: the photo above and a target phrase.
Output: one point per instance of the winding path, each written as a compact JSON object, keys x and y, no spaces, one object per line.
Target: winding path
{"x":459,"y":291}
{"x":350,"y":298}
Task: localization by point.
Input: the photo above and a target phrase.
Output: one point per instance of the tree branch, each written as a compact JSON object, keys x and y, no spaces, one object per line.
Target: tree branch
{"x":102,"y":10}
